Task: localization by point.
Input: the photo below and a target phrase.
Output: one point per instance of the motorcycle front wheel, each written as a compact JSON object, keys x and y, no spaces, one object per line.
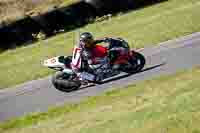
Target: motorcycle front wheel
{"x":61,"y":82}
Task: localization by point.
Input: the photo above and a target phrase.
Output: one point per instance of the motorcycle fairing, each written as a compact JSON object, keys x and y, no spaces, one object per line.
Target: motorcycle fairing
{"x":98,"y":54}
{"x":53,"y":62}
{"x":76,"y":58}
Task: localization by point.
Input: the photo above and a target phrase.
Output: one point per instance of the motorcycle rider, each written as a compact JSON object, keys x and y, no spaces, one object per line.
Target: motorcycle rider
{"x":96,"y":55}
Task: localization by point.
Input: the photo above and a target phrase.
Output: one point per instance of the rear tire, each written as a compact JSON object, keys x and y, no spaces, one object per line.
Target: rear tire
{"x":139,"y":57}
{"x":138,"y":62}
{"x":61,"y":82}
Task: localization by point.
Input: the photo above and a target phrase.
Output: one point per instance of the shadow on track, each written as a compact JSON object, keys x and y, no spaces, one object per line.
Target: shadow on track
{"x":121,"y":77}
{"x":127,"y":75}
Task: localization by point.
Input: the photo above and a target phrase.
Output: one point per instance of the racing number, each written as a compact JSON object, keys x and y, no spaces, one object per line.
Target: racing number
{"x":53,"y":61}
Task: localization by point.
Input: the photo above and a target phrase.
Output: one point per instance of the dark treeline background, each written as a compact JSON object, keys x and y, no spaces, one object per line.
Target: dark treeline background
{"x":67,"y":18}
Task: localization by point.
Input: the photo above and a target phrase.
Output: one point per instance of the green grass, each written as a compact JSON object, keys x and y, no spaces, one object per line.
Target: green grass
{"x":144,"y":27}
{"x":10,"y":10}
{"x":165,"y":104}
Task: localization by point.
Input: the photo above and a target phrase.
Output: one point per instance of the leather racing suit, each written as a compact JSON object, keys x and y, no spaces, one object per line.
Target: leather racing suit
{"x":97,"y":58}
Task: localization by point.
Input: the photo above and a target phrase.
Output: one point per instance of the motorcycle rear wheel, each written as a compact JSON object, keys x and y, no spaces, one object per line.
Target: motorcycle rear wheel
{"x":141,"y":59}
{"x":60,"y":81}
{"x":137,"y":62}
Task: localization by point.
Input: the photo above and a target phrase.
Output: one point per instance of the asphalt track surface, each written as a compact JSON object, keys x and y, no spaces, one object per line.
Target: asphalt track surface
{"x":37,"y":96}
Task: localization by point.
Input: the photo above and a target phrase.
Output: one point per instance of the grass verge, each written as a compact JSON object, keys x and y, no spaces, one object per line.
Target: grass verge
{"x":10,"y":10}
{"x":147,"y":26}
{"x":164,"y":104}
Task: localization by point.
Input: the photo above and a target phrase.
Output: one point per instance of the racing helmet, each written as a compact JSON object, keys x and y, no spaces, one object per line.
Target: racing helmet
{"x":86,"y":40}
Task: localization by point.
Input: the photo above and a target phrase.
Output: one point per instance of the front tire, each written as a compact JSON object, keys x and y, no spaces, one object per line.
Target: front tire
{"x":61,"y":82}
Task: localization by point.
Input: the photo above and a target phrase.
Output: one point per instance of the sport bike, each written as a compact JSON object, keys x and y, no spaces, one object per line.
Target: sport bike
{"x":119,"y":60}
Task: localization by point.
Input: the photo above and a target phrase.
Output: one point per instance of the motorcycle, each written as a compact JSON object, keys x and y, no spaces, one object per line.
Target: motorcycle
{"x":66,"y":79}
